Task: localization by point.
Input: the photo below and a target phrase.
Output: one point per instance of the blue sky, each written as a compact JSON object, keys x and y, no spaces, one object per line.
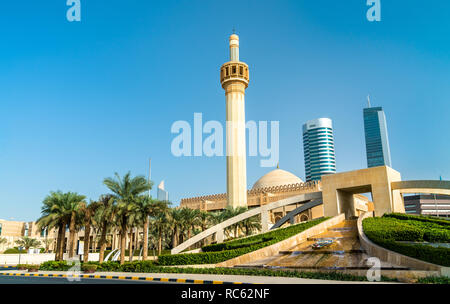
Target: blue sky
{"x":82,"y":100}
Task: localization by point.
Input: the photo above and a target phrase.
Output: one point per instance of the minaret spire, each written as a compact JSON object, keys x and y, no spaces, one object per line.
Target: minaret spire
{"x":234,"y":77}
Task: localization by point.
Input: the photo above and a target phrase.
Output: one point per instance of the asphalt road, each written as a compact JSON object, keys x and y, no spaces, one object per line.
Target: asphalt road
{"x":44,"y":280}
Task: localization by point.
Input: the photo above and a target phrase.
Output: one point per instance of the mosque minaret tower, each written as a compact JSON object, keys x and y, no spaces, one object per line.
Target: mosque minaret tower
{"x":234,"y":77}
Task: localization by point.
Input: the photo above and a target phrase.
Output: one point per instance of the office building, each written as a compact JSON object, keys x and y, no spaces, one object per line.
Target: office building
{"x":318,"y":143}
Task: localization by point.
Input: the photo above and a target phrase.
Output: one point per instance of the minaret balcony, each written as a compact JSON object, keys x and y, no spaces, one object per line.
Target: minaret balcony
{"x":234,"y":71}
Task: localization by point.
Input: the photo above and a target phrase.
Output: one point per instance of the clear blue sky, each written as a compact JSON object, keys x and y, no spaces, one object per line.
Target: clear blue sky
{"x":80,"y":101}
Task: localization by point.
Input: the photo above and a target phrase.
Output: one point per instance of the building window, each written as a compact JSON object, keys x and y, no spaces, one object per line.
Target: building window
{"x":0,"y":228}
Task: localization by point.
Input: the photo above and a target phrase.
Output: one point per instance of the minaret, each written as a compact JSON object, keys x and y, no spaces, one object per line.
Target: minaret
{"x":234,"y":79}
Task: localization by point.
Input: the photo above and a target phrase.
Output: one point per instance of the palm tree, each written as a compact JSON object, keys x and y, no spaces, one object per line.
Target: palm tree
{"x":104,"y":217}
{"x":160,"y":221}
{"x":230,"y":212}
{"x":89,"y":220}
{"x":176,"y":223}
{"x":251,"y":224}
{"x":55,"y":215}
{"x":47,"y":242}
{"x":125,"y":191}
{"x":144,"y":207}
{"x":3,"y":241}
{"x":75,"y":205}
{"x":27,"y":242}
{"x":190,"y":220}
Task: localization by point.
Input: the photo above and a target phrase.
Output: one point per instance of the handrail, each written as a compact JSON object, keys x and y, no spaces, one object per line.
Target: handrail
{"x":219,"y":228}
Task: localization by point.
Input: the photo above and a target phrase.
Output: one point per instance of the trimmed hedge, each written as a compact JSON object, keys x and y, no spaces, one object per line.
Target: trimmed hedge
{"x":388,"y":230}
{"x":151,"y":267}
{"x":214,"y":257}
{"x":230,"y":246}
{"x":420,"y":218}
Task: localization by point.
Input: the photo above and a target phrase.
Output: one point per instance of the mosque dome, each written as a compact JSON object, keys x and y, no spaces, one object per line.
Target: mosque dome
{"x":277,"y":177}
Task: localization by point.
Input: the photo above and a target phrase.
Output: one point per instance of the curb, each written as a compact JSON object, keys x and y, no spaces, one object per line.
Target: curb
{"x":133,"y":278}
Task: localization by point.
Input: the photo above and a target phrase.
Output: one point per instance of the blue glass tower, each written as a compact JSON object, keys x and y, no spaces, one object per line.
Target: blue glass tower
{"x":377,"y":142}
{"x":318,"y":145}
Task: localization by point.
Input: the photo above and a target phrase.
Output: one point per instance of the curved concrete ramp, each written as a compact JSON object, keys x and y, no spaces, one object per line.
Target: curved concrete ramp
{"x":290,"y":216}
{"x":263,"y":210}
{"x":422,"y":186}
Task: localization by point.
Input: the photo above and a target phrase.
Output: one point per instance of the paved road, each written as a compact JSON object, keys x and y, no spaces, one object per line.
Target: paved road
{"x":42,"y":280}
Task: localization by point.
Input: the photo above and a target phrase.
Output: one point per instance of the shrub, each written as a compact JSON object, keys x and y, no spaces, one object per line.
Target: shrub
{"x":420,"y":218}
{"x":14,"y":250}
{"x":32,"y":267}
{"x":259,"y":241}
{"x":434,"y":280}
{"x":55,"y":265}
{"x":388,"y":230}
{"x":230,"y":246}
{"x":86,"y":267}
{"x":149,"y":266}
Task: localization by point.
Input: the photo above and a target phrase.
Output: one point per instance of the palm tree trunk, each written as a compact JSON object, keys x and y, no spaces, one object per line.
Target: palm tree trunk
{"x":61,"y":230}
{"x":72,"y":235}
{"x":145,"y":243}
{"x":102,"y":243}
{"x":123,"y":238}
{"x":175,"y":237}
{"x":159,"y":241}
{"x":87,"y":234}
{"x":130,"y":246}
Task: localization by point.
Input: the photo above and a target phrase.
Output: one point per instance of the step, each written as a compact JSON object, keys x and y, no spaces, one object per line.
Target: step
{"x":319,"y":251}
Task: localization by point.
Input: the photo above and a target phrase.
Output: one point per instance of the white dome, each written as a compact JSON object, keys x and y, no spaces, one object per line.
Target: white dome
{"x":277,"y":177}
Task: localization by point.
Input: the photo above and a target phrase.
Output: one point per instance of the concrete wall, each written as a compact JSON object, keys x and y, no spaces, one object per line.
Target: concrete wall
{"x":283,"y":245}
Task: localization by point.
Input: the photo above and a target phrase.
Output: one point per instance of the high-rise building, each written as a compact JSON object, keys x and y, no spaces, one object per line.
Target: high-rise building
{"x":377,"y":142}
{"x":162,"y":194}
{"x":234,"y":77}
{"x":318,"y":144}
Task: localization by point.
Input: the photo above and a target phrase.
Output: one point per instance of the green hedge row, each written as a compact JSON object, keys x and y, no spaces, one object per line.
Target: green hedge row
{"x":420,"y":218}
{"x":407,"y":230}
{"x":220,"y":256}
{"x":230,"y":246}
{"x":151,"y":267}
{"x":387,"y":231}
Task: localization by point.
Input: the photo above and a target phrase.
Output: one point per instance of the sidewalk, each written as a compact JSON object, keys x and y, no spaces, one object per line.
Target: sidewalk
{"x":180,"y":277}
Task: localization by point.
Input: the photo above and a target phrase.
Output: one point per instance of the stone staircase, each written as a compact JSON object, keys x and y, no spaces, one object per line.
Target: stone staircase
{"x":345,"y":253}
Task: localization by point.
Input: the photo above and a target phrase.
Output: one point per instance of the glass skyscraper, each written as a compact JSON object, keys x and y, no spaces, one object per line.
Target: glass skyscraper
{"x":318,"y":146}
{"x":377,"y":142}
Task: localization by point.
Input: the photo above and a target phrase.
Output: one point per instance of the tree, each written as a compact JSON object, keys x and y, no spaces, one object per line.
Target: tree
{"x":3,"y":241}
{"x":126,"y":191}
{"x":104,"y":217}
{"x":144,"y":208}
{"x":176,"y":224}
{"x":47,"y":242}
{"x":89,"y":220}
{"x":74,"y":205}
{"x":28,"y":243}
{"x":54,"y":214}
{"x":160,"y":221}
{"x":250,"y":224}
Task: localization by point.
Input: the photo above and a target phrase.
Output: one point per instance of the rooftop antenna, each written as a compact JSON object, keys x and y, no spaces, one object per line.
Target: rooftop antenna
{"x":368,"y":100}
